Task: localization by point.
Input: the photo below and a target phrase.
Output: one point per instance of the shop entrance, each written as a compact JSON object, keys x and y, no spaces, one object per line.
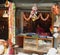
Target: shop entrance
{"x":3,"y":28}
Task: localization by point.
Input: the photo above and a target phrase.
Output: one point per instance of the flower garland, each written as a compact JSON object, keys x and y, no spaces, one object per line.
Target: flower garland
{"x":27,"y":19}
{"x":33,"y":18}
{"x":32,"y":14}
{"x":44,"y":19}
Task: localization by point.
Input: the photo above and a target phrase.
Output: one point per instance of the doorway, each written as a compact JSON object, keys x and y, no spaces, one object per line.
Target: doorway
{"x":3,"y":28}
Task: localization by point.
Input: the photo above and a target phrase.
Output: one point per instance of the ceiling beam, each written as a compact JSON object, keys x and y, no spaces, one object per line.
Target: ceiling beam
{"x":31,"y":4}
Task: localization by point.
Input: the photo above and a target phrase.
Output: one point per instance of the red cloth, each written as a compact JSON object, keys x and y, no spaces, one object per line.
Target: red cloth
{"x":11,"y":51}
{"x":39,"y":30}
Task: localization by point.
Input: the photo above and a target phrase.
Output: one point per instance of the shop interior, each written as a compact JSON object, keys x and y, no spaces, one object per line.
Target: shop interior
{"x":31,"y":27}
{"x":37,"y":33}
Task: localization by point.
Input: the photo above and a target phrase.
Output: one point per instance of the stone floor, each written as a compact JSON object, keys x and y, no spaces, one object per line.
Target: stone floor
{"x":21,"y":51}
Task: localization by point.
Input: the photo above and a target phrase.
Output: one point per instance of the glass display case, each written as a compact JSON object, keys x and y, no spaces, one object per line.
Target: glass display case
{"x":37,"y":44}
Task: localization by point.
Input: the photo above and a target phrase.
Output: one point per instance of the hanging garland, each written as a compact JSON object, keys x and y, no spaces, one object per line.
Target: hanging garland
{"x":27,"y":19}
{"x":44,"y":19}
{"x":33,"y":18}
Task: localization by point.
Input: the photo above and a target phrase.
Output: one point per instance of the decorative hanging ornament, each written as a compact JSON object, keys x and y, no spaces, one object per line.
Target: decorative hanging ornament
{"x":34,"y":11}
{"x":5,"y":14}
{"x":44,"y":19}
{"x":34,"y":17}
{"x":55,"y":9}
{"x":33,"y":14}
{"x":7,"y":3}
